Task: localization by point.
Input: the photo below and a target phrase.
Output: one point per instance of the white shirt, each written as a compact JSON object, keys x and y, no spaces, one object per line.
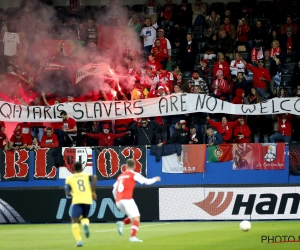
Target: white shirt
{"x":150,"y":33}
{"x":10,"y":43}
{"x":236,"y":67}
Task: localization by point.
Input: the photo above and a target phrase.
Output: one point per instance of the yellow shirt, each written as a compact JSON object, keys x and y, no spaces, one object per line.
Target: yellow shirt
{"x":80,"y":188}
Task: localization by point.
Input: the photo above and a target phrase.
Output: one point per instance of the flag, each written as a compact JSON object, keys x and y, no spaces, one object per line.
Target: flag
{"x":14,"y":165}
{"x":72,"y":155}
{"x":191,"y":160}
{"x":256,"y":156}
{"x":220,"y":153}
{"x":111,"y":161}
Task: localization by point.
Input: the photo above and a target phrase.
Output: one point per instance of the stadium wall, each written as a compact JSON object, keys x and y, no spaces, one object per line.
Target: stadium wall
{"x":157,"y":204}
{"x":215,"y":174}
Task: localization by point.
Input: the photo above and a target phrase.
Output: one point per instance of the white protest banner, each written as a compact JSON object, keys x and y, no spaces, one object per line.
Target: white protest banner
{"x":161,"y":106}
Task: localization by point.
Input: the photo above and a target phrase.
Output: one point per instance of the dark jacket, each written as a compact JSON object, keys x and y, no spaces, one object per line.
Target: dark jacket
{"x":216,"y":138}
{"x":244,"y":85}
{"x":144,"y":135}
{"x":296,"y":76}
{"x":198,"y":137}
{"x":179,"y":136}
{"x":225,"y":45}
{"x":165,"y":150}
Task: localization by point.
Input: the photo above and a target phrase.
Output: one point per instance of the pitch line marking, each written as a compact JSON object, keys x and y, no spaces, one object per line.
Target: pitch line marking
{"x":162,"y":224}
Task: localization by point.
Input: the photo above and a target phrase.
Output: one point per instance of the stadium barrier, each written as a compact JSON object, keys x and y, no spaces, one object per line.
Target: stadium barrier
{"x":215,"y":173}
{"x":158,"y":203}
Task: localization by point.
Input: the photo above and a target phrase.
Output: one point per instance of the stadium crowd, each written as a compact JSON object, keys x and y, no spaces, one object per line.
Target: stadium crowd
{"x":242,"y":53}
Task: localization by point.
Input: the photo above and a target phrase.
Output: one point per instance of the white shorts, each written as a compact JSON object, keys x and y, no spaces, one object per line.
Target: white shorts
{"x":129,"y":208}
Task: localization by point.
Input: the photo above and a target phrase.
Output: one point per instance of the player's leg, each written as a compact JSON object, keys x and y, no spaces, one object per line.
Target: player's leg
{"x":76,"y":213}
{"x":85,"y":222}
{"x":120,"y":224}
{"x":133,"y":213}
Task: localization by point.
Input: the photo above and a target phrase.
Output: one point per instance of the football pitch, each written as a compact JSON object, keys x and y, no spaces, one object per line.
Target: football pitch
{"x":156,"y":235}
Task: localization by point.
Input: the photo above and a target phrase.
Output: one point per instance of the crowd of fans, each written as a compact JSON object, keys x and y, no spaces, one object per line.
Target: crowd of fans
{"x":189,"y":48}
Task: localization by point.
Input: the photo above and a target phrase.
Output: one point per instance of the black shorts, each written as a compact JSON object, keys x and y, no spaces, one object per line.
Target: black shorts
{"x":80,"y":209}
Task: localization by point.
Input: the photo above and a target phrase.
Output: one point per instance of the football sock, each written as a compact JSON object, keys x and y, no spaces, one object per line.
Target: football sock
{"x":126,"y":221}
{"x":85,"y":221}
{"x":134,"y":228}
{"x":76,"y":231}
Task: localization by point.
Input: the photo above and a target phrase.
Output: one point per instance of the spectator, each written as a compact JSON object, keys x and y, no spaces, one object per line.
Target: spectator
{"x":259,"y":34}
{"x":274,"y":36}
{"x":239,"y":97}
{"x":225,"y":44}
{"x":221,"y":64}
{"x":199,"y":10}
{"x":219,"y":87}
{"x":144,"y":131}
{"x":225,"y":128}
{"x":49,"y":140}
{"x":167,"y":15}
{"x":92,"y":32}
{"x":210,"y":47}
{"x":283,"y":93}
{"x":151,"y":9}
{"x":243,"y":33}
{"x":179,"y":136}
{"x":34,"y":144}
{"x":237,"y":65}
{"x":241,"y":132}
{"x":275,"y":68}
{"x":241,"y":83}
{"x":184,"y":125}
{"x":2,"y":126}
{"x":25,"y":129}
{"x":204,"y":69}
{"x":17,"y":141}
{"x":267,"y":59}
{"x":68,"y":133}
{"x":213,"y":21}
{"x":257,"y":53}
{"x":296,"y":75}
{"x":82,"y":33}
{"x":184,"y":87}
{"x":185,"y":15}
{"x":227,"y":14}
{"x":153,"y":64}
{"x":228,"y":28}
{"x":165,"y":78}
{"x":106,"y":138}
{"x":213,"y":137}
{"x":289,"y":42}
{"x":93,"y":51}
{"x":3,"y":138}
{"x":275,"y":49}
{"x":195,"y":138}
{"x":176,"y":89}
{"x":284,"y":132}
{"x":148,"y":35}
{"x":289,"y":24}
{"x":162,"y":48}
{"x":189,"y":52}
{"x":199,"y":82}
{"x":177,"y":35}
{"x":260,"y":77}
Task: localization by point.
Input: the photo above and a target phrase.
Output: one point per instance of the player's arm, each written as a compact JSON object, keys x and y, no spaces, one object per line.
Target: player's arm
{"x":93,"y":180}
{"x":68,"y":191}
{"x":142,"y":180}
{"x":115,"y":189}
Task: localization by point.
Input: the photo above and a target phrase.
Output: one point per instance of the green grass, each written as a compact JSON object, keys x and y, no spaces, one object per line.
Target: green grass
{"x":173,"y":236}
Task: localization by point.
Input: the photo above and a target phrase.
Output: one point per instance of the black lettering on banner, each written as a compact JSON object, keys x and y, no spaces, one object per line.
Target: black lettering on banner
{"x":97,"y":107}
{"x":80,"y":111}
{"x":127,"y":107}
{"x":7,"y":115}
{"x":135,"y":107}
{"x":19,"y":110}
{"x":262,"y":108}
{"x":222,"y":106}
{"x":46,"y":111}
{"x":28,"y":111}
{"x":298,"y":110}
{"x":162,"y":106}
{"x":248,"y":109}
{"x":282,"y":107}
{"x":173,"y":102}
{"x":182,"y":102}
{"x":87,"y":111}
{"x":273,"y":107}
{"x":37,"y":110}
{"x":59,"y":110}
{"x":107,"y":111}
{"x":116,"y":108}
{"x":215,"y":104}
{"x":199,"y":101}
